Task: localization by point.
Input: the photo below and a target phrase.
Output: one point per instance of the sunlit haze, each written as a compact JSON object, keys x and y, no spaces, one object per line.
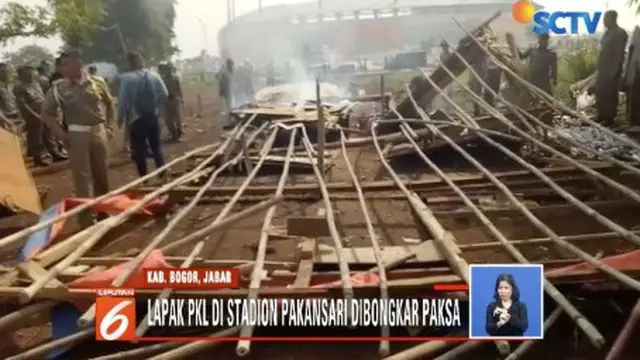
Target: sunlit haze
{"x":198,"y":21}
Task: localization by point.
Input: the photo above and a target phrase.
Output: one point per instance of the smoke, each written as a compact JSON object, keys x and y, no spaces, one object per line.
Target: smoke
{"x":297,"y":75}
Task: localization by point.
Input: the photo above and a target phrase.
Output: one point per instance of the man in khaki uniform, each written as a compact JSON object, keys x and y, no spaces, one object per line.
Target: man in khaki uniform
{"x":88,"y":108}
{"x":29,"y":97}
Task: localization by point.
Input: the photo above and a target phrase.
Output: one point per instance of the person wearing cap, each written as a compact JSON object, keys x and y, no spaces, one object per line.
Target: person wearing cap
{"x":29,"y":98}
{"x":543,"y":65}
{"x":89,"y":111}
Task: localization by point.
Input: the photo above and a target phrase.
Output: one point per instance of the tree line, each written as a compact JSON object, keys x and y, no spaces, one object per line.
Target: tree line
{"x":102,"y":30}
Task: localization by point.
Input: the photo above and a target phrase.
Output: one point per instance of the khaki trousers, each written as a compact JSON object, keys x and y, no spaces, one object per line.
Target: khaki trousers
{"x":89,"y":157}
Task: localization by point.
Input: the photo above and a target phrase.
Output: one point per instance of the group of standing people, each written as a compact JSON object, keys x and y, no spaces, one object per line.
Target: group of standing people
{"x":20,"y":105}
{"x":543,"y":71}
{"x":543,"y":68}
{"x":79,"y":110}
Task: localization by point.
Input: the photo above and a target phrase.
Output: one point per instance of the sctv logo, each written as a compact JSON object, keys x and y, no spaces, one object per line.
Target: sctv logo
{"x":545,"y":22}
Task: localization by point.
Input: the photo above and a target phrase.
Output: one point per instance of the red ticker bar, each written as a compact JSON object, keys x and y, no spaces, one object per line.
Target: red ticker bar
{"x":451,"y":287}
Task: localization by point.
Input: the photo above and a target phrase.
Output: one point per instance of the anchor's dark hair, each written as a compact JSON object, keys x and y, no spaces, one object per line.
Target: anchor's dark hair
{"x":515,"y":291}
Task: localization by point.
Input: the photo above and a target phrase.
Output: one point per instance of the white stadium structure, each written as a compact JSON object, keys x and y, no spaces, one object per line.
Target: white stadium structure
{"x":352,"y":29}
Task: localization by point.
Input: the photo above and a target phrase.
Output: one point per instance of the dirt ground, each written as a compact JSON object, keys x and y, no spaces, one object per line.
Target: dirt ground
{"x":391,"y":219}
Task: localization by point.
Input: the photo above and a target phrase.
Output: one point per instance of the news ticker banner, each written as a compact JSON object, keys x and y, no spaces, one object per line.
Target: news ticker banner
{"x":445,"y":318}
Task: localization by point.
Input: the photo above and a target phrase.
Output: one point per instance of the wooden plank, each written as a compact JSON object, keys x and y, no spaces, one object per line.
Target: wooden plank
{"x":305,"y":268}
{"x":307,"y":226}
{"x":426,"y":252}
{"x":17,"y":189}
{"x":34,"y":271}
{"x":307,"y":250}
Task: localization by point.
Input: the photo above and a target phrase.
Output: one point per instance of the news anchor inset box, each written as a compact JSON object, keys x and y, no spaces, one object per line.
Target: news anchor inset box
{"x":506,"y":301}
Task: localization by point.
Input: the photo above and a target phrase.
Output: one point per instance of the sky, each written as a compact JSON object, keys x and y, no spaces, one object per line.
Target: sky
{"x":198,"y":21}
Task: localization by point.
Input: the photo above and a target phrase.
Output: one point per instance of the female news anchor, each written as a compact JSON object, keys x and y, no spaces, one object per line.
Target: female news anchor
{"x":506,"y":315}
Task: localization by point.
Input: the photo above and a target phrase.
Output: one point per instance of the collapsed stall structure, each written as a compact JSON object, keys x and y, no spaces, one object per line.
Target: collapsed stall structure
{"x":327,"y":211}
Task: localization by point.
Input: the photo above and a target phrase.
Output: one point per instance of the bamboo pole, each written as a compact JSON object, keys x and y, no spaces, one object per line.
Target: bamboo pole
{"x":548,"y":99}
{"x":443,"y":239}
{"x":460,"y":350}
{"x":141,"y":352}
{"x":422,"y":351}
{"x":41,"y":351}
{"x":88,"y":317}
{"x":618,"y":347}
{"x":224,"y":223}
{"x":244,"y":346}
{"x":8,"y":322}
{"x":320,"y":128}
{"x":625,"y":279}
{"x":384,"y":290}
{"x":591,"y":331}
{"x":569,"y":197}
{"x":526,"y":345}
{"x":166,"y":293}
{"x":347,"y":288}
{"x":103,"y":227}
{"x":8,"y":240}
{"x":131,"y":267}
{"x":195,"y":347}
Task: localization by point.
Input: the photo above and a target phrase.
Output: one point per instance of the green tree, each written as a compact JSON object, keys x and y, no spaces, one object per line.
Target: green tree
{"x":578,"y":60}
{"x":145,"y":26}
{"x":78,"y":18}
{"x":29,"y":54}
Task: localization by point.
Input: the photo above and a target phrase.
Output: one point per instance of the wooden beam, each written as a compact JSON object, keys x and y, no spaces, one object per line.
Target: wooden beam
{"x":305,"y":268}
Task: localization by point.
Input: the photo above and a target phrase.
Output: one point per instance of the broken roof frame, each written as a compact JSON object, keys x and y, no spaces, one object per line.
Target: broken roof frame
{"x":232,"y":151}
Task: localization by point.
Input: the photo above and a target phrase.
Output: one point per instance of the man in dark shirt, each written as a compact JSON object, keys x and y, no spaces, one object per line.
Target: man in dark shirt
{"x":29,"y":98}
{"x":543,"y":65}
{"x":632,"y":79}
{"x":610,"y":62}
{"x":225,"y":79}
{"x":174,"y":104}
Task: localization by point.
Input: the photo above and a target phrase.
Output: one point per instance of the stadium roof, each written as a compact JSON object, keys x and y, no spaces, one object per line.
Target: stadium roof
{"x":341,"y":6}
